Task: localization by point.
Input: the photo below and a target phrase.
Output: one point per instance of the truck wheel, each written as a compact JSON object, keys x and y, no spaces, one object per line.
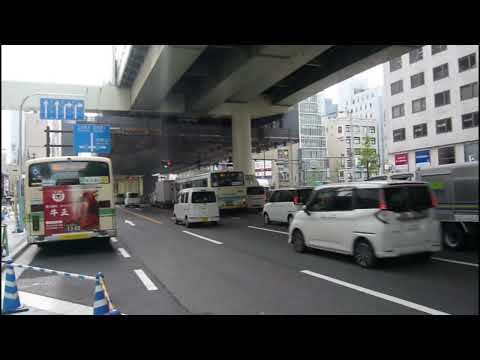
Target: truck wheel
{"x":453,"y":236}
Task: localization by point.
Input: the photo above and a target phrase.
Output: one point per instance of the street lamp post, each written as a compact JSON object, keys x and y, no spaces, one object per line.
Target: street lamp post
{"x":20,"y":201}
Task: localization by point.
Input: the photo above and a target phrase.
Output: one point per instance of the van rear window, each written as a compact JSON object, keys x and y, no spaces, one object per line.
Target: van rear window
{"x":255,"y":190}
{"x":304,"y":195}
{"x":367,"y":198}
{"x":203,"y":197}
{"x":408,"y":198}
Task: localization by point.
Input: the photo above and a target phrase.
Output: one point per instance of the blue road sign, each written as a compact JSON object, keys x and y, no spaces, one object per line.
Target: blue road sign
{"x":62,"y":109}
{"x":92,"y":138}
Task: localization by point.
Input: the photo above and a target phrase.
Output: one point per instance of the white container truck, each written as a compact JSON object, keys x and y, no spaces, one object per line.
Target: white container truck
{"x":164,"y":194}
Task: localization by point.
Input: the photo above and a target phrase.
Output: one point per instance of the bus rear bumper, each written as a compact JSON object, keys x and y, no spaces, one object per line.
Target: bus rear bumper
{"x":39,"y":239}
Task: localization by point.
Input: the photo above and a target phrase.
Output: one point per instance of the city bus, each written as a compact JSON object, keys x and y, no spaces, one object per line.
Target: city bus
{"x":228,"y":185}
{"x":69,"y":198}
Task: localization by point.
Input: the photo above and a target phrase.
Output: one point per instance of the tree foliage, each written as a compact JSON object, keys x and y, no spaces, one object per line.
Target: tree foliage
{"x":369,"y":157}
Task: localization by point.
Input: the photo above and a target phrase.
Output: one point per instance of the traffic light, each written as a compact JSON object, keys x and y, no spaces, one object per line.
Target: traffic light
{"x":167,"y":163}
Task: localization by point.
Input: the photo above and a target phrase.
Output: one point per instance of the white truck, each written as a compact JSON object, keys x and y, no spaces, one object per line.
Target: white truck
{"x":164,"y":194}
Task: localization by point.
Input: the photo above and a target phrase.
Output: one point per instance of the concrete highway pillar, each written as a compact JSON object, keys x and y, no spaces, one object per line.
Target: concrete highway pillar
{"x":242,"y":142}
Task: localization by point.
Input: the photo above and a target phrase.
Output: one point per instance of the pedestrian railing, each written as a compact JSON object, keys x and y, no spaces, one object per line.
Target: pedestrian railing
{"x":102,"y":304}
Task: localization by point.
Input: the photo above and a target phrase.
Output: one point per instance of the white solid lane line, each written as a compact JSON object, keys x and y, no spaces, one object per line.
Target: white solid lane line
{"x":145,"y":280}
{"x":377,"y":294}
{"x":203,"y":237}
{"x":129,"y":222}
{"x":114,"y":239}
{"x":265,"y":229}
{"x":124,"y":252}
{"x":455,"y":261}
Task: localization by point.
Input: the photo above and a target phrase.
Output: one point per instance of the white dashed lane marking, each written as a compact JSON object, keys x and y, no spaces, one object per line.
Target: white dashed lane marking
{"x":129,"y":223}
{"x":124,"y":252}
{"x":145,"y":280}
{"x":380,"y":295}
{"x":114,"y":239}
{"x":203,"y":237}
{"x":265,"y":229}
{"x":455,"y":261}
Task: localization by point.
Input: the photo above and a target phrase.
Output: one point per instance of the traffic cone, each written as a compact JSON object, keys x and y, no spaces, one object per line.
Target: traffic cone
{"x":100,"y":306}
{"x":11,"y":300}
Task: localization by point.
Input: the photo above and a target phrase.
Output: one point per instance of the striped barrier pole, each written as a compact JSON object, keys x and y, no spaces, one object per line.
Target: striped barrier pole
{"x":49,"y":271}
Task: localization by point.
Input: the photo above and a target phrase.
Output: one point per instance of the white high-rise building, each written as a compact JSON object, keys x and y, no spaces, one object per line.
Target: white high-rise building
{"x":431,"y":107}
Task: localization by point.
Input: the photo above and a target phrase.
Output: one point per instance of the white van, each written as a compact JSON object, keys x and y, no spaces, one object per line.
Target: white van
{"x":284,"y":203}
{"x":132,"y":199}
{"x":369,"y":220}
{"x":196,"y":205}
{"x":256,"y":197}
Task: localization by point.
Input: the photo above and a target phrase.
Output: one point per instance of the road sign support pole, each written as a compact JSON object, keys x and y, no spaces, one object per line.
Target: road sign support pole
{"x":47,"y":131}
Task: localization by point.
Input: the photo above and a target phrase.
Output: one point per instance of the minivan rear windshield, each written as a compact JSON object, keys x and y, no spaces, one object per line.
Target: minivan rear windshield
{"x":203,"y":197}
{"x":304,"y":195}
{"x":407,"y":198}
{"x":132,"y":195}
{"x":255,"y":190}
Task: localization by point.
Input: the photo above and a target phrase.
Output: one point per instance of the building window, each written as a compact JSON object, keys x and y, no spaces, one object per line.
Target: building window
{"x":419,"y":105}
{"x":442,"y":98}
{"x":395,"y":64}
{"x":444,"y":125}
{"x":356,"y":140}
{"x":446,"y":155}
{"x":417,"y":80}
{"x":339,"y":129}
{"x":398,"y":135}
{"x":471,"y":151}
{"x":420,"y":130}
{"x":396,"y":87}
{"x":398,"y":111}
{"x":438,"y":48}
{"x":467,"y":62}
{"x":371,"y":129}
{"x":440,"y":72}
{"x":347,"y":128}
{"x":416,"y":55}
{"x":469,"y":91}
{"x":356,"y":128}
{"x":470,"y":120}
{"x":372,"y":140}
{"x":356,"y":151}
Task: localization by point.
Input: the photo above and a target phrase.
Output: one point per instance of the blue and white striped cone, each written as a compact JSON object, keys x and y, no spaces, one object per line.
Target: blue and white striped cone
{"x":11,"y":300}
{"x":100,"y":306}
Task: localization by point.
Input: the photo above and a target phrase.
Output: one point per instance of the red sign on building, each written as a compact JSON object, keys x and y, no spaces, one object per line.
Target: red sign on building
{"x":68,"y":209}
{"x":401,"y":159}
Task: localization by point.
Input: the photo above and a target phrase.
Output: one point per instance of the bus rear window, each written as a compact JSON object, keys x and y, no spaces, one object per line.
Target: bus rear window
{"x":255,"y":190}
{"x":228,"y":178}
{"x":68,"y":173}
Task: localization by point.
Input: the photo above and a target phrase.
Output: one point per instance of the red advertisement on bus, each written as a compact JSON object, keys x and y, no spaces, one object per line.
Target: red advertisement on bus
{"x":69,"y":209}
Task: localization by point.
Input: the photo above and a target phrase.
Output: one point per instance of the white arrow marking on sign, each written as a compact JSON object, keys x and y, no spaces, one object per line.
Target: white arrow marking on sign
{"x":65,"y":109}
{"x":91,"y":142}
{"x":75,"y":109}
{"x":45,"y":104}
{"x":56,"y":109}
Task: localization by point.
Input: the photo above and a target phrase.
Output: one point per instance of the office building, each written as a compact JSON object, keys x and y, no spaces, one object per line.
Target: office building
{"x":431,"y":107}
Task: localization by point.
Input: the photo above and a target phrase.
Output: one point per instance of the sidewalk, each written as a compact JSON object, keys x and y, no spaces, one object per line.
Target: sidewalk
{"x":17,"y":242}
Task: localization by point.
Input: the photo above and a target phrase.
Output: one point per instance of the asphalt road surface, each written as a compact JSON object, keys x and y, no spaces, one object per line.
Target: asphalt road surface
{"x":240,"y":267}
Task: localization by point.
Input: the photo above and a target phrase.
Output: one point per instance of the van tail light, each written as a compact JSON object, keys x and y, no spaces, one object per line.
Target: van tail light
{"x":296,"y":200}
{"x":382,"y":204}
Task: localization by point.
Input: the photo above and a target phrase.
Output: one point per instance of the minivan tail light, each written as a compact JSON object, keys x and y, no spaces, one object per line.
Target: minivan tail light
{"x":434,"y":201}
{"x":382,"y":204}
{"x":296,"y":200}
